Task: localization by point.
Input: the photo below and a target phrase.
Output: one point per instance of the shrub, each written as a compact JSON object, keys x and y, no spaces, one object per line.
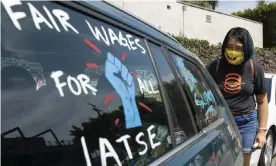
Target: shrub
{"x":265,"y":13}
{"x":207,"y":52}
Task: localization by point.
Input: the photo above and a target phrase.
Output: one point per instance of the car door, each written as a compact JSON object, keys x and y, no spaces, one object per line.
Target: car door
{"x":218,"y":142}
{"x":274,"y":84}
{"x":191,"y":146}
{"x":210,"y":144}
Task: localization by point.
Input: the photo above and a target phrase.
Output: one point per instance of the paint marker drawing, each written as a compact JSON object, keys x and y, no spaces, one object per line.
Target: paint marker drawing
{"x":126,"y":91}
{"x":85,"y":151}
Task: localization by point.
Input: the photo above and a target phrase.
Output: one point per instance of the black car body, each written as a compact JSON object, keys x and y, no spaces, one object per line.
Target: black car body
{"x":85,"y":83}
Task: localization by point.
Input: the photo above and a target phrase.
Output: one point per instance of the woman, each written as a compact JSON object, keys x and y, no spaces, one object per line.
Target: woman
{"x":239,"y":78}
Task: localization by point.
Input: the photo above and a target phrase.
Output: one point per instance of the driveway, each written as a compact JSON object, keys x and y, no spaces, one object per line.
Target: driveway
{"x":273,"y":161}
{"x":255,"y":159}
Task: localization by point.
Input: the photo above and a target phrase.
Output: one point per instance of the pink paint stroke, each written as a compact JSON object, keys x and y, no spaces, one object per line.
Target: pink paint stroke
{"x":92,"y":65}
{"x":93,"y":46}
{"x":123,"y":57}
{"x":37,"y":78}
{"x":145,"y":106}
{"x":134,"y":74}
{"x":117,"y":121}
{"x":109,"y":98}
{"x":218,"y":156}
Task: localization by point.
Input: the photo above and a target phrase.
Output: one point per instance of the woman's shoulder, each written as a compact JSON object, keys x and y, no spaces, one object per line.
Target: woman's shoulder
{"x":213,"y":65}
{"x":257,"y":65}
{"x":213,"y":62}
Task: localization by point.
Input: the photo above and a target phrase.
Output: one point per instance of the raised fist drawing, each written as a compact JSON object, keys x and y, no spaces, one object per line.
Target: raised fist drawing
{"x":124,"y":86}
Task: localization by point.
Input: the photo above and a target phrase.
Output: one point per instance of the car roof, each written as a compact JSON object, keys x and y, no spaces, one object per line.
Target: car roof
{"x":114,"y":12}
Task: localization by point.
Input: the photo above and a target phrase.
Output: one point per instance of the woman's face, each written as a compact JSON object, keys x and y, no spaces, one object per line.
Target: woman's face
{"x":234,"y":52}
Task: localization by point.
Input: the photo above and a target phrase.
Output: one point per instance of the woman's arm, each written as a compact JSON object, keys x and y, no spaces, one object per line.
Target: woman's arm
{"x":263,"y":109}
{"x":261,"y":98}
{"x":262,"y":118}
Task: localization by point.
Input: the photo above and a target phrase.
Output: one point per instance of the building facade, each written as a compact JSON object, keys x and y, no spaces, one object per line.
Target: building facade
{"x":193,"y":21}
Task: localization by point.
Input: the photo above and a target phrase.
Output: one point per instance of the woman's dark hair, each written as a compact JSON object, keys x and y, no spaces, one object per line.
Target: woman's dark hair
{"x":243,"y":36}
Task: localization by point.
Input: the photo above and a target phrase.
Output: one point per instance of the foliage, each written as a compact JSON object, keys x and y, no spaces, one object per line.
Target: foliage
{"x":109,"y":130}
{"x":265,"y":13}
{"x":261,"y":2}
{"x":201,"y":48}
{"x":213,"y":4}
{"x":206,"y":4}
{"x":207,"y":52}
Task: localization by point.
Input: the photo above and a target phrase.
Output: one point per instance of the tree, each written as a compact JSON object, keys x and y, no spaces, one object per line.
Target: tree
{"x":265,"y":13}
{"x":199,"y":3}
{"x":213,"y":4}
{"x":111,"y":125}
{"x":260,"y":3}
{"x":205,"y":4}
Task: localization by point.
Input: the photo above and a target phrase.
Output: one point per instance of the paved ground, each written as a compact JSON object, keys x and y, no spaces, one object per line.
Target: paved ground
{"x":274,"y":162}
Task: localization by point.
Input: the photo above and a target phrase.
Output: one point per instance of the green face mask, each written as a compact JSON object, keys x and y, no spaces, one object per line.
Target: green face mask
{"x":234,"y":57}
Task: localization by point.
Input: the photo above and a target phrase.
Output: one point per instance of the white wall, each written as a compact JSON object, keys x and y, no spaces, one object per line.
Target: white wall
{"x":195,"y":25}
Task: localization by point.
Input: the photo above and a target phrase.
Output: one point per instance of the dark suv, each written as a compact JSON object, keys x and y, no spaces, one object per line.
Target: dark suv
{"x":85,"y":83}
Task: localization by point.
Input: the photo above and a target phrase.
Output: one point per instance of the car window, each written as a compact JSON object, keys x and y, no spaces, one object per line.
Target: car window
{"x":183,"y":121}
{"x":206,"y":107}
{"x":268,"y":82}
{"x":76,"y":90}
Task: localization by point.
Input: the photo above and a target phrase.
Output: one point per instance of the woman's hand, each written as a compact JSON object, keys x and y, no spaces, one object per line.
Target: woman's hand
{"x":261,"y":139}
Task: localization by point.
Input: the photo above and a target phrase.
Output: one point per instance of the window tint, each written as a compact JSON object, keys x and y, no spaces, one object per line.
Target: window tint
{"x":183,"y":122}
{"x":202,"y":96}
{"x":76,"y":90}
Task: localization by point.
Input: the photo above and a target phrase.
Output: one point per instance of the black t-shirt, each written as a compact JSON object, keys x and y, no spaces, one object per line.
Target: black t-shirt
{"x":237,"y":83}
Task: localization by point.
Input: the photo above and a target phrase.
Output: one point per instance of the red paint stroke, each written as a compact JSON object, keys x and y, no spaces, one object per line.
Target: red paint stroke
{"x":212,"y":158}
{"x":37,"y":78}
{"x":123,"y":57}
{"x":109,"y":98}
{"x":218,"y":156}
{"x":93,"y":46}
{"x":117,"y":121}
{"x":134,"y":74}
{"x":92,"y":65}
{"x":145,"y":106}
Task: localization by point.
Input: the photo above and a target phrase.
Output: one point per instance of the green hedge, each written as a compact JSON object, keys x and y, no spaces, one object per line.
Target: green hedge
{"x":265,"y":13}
{"x":207,"y":52}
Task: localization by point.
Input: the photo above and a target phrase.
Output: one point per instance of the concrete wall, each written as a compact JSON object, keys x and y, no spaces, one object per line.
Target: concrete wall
{"x":192,"y":21}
